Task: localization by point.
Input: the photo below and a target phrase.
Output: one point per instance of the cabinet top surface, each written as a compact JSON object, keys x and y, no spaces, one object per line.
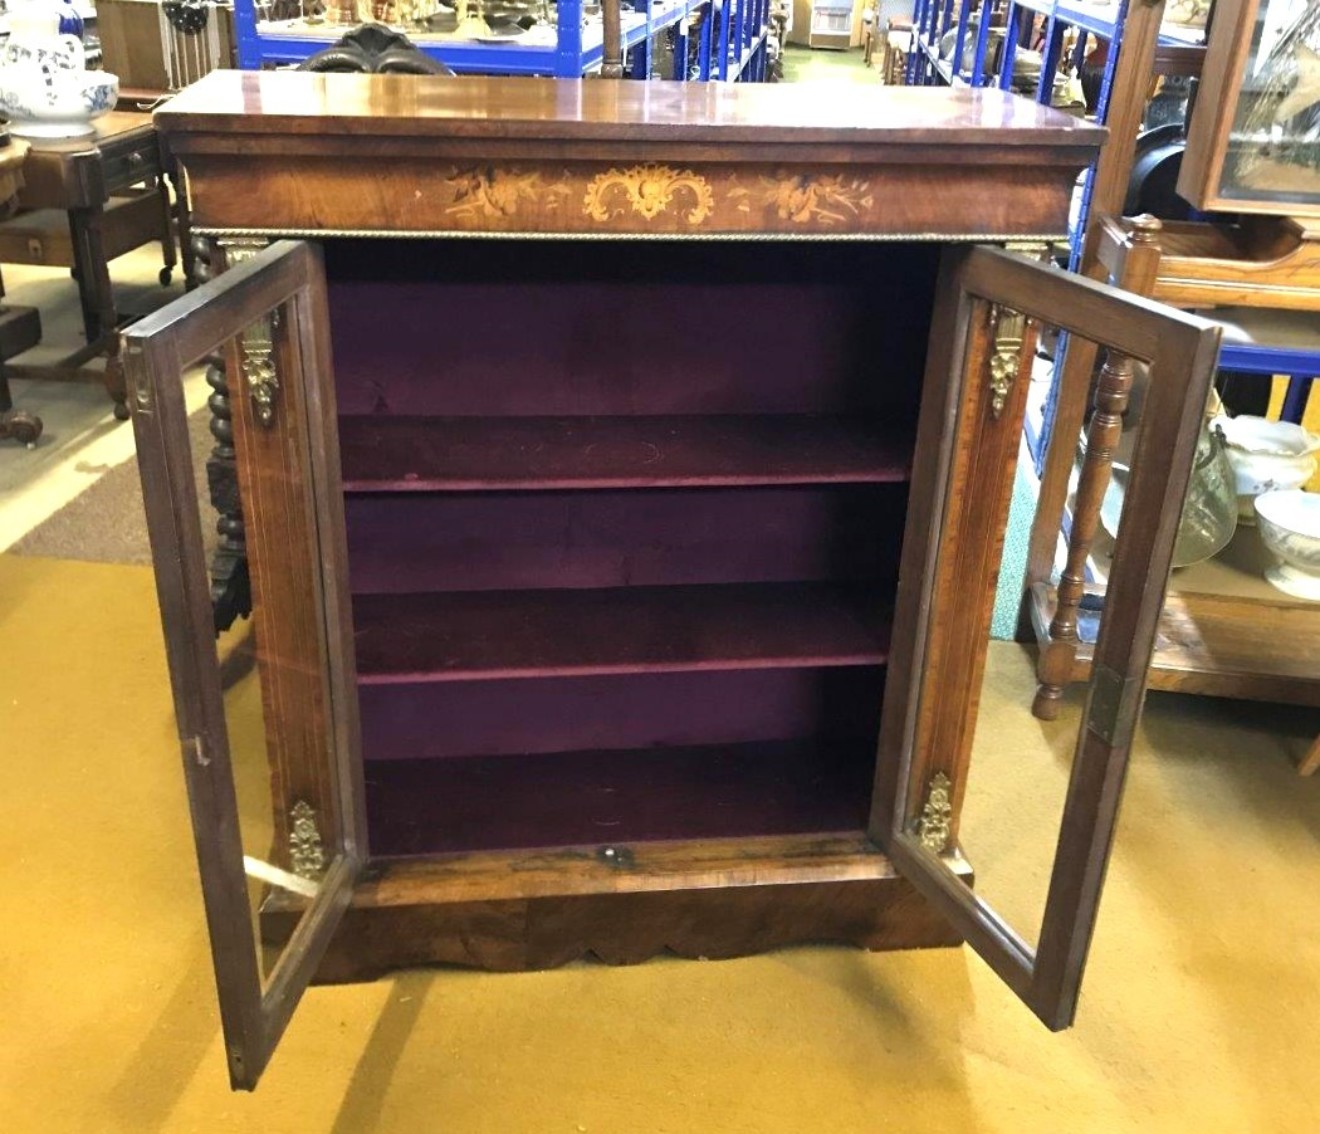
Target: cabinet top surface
{"x":248,"y":102}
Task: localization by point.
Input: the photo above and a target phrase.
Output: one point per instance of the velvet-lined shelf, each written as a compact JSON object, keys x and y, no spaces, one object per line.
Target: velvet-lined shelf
{"x":417,"y":454}
{"x":438,"y":636}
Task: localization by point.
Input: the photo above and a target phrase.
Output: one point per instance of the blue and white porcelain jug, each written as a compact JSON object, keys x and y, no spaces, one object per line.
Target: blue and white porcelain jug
{"x":45,"y":87}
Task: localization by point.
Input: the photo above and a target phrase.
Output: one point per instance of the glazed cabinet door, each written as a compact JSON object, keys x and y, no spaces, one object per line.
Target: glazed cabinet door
{"x":266,"y":715}
{"x":942,"y":701}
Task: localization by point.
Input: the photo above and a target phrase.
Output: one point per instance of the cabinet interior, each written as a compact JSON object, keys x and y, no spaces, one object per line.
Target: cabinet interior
{"x":624,"y":521}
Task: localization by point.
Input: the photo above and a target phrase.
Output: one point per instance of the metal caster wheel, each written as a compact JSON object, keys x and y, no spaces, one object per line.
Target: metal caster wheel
{"x":166,"y":274}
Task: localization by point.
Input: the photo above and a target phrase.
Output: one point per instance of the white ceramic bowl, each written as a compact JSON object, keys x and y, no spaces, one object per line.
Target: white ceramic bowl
{"x":1290,"y":528}
{"x":1266,"y":456}
{"x":59,"y":104}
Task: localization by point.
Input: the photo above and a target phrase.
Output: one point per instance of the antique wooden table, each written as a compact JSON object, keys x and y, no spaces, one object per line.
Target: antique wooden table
{"x":77,"y":211}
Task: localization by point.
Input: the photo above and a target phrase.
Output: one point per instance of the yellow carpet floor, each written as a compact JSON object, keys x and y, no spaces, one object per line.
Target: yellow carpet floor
{"x":1201,"y":1010}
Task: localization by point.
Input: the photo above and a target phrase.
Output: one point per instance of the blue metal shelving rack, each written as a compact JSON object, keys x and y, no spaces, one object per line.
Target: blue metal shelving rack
{"x":739,"y":55}
{"x":933,"y":19}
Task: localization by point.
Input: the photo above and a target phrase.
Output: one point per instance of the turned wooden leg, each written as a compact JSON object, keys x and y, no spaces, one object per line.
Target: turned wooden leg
{"x":168,"y":254}
{"x":98,"y":298}
{"x":1310,"y":763}
{"x":1113,"y":389}
{"x":231,"y":588}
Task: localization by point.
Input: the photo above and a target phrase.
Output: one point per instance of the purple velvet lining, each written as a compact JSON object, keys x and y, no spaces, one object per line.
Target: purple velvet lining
{"x":585,"y":348}
{"x":626,"y":711}
{"x":388,"y":453}
{"x":618,"y":714}
{"x":597,"y":798}
{"x":618,"y":538}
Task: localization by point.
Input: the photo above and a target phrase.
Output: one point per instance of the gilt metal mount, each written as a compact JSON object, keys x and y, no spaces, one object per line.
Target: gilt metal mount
{"x":257,"y":349}
{"x":306,"y":851}
{"x":1008,"y":328}
{"x":937,"y":815}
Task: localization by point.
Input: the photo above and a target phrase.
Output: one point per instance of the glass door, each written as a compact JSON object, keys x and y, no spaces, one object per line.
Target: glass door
{"x":266,"y":712}
{"x":941,"y":812}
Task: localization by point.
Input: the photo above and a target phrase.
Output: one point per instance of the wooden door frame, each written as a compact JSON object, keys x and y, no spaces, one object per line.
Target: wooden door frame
{"x":288,"y":276}
{"x":927,"y":669}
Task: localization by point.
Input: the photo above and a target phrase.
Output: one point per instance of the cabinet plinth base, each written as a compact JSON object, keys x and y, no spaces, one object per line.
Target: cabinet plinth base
{"x":621,"y":929}
{"x":718,"y":898}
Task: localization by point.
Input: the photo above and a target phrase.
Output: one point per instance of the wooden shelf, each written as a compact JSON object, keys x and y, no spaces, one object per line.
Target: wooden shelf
{"x":426,"y":454}
{"x":488,"y":803}
{"x":784,"y":860}
{"x":488,"y":635}
{"x":1224,"y":631}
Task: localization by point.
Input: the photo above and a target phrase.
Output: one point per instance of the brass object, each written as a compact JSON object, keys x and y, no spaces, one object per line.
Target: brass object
{"x":257,"y":353}
{"x":1036,"y":250}
{"x":937,"y":814}
{"x":256,"y":345}
{"x":224,"y":235}
{"x":1115,"y":705}
{"x":649,"y":190}
{"x":306,"y":852}
{"x":1009,"y":328}
{"x":240,"y":247}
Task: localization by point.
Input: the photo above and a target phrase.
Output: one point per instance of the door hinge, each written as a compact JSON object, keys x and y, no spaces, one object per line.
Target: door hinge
{"x":936,"y":815}
{"x":1115,"y":706}
{"x":143,"y":401}
{"x":1008,"y":329}
{"x":306,"y":851}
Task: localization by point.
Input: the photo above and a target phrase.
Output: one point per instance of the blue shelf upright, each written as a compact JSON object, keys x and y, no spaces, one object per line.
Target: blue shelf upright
{"x":576,"y":50}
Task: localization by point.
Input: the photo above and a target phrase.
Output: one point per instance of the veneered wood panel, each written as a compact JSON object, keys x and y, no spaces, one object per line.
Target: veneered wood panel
{"x":303,"y":153}
{"x":970,"y":512}
{"x":304,"y":195}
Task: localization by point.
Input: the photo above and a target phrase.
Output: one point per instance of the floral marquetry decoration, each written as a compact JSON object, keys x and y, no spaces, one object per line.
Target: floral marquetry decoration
{"x":650,"y":190}
{"x":487,"y":194}
{"x":824,"y":200}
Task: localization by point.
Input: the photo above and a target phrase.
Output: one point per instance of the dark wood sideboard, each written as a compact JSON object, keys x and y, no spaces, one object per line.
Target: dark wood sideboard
{"x":625,"y":583}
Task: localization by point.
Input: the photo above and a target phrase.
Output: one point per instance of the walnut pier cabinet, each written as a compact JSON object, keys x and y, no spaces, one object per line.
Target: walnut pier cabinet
{"x":623,"y":472}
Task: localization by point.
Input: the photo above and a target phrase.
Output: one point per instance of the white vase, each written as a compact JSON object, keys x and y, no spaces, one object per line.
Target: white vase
{"x":45,"y":87}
